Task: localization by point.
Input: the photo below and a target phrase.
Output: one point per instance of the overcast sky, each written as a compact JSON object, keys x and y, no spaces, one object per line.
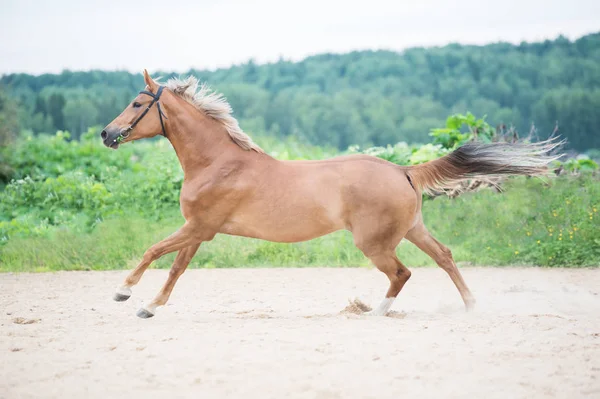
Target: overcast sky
{"x":49,"y":36}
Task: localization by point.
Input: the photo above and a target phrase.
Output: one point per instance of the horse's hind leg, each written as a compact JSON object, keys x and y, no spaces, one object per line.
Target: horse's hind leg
{"x":443,"y":257}
{"x":378,"y":243}
{"x":398,"y":275}
{"x":181,"y":262}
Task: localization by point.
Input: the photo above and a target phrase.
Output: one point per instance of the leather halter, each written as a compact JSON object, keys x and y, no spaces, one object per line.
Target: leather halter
{"x":155,"y":100}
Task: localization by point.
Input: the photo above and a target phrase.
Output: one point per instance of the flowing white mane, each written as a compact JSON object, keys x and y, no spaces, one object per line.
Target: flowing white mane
{"x":214,"y":105}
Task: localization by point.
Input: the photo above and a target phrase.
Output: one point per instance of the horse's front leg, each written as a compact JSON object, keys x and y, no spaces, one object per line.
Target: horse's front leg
{"x":187,"y":235}
{"x":181,"y":262}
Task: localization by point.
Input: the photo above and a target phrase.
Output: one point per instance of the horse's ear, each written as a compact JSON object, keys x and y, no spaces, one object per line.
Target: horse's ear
{"x":149,"y":82}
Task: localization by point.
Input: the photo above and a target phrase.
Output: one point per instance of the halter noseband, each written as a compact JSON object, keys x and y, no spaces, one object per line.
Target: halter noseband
{"x":155,"y":100}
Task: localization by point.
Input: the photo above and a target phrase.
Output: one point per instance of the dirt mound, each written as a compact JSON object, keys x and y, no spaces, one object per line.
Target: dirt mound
{"x":356,"y":306}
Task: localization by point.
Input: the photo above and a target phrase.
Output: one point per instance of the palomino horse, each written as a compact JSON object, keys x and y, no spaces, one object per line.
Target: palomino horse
{"x":232,"y":187}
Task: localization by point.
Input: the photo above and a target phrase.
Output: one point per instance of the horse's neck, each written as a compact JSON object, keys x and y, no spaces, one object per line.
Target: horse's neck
{"x":199,"y":141}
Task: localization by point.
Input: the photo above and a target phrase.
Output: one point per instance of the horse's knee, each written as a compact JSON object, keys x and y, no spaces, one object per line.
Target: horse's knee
{"x":445,"y":251}
{"x":445,"y":259}
{"x":176,"y":271}
{"x":151,"y":255}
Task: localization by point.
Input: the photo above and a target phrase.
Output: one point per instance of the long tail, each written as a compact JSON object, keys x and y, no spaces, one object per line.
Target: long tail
{"x":477,"y":159}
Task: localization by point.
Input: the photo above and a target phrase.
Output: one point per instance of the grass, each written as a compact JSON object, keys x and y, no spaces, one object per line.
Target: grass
{"x":120,"y":242}
{"x":546,"y":224}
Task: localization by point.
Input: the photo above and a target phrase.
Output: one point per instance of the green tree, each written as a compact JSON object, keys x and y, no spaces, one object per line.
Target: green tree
{"x":9,"y":122}
{"x":368,"y":97}
{"x":56,"y":104}
{"x":79,"y":114}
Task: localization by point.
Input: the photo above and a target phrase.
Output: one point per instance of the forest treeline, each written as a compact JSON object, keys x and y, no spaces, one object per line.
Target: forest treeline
{"x":365,"y":98}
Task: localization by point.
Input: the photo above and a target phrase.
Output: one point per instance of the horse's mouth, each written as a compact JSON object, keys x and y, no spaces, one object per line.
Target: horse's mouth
{"x":114,"y":145}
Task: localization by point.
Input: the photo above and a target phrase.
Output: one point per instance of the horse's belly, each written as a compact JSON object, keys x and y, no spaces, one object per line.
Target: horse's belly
{"x":283,"y":235}
{"x":291,"y":225}
{"x":296,"y":205}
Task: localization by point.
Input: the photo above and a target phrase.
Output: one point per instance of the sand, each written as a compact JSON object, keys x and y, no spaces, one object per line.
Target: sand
{"x":280,"y":333}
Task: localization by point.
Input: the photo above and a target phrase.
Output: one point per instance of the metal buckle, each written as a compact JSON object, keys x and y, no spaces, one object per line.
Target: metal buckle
{"x":123,"y":135}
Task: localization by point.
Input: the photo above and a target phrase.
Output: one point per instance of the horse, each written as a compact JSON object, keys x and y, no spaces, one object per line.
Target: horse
{"x":231,"y":186}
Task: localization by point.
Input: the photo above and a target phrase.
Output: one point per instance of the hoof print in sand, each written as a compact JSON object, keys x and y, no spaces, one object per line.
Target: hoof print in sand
{"x":22,"y":320}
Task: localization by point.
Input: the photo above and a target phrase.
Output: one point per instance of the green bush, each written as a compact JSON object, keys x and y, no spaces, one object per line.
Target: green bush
{"x":532,"y":223}
{"x":65,"y":197}
{"x":549,"y":223}
{"x":452,"y":136}
{"x":45,"y":156}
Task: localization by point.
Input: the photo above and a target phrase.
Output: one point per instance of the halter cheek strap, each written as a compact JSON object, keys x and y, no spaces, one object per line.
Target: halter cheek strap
{"x":161,"y":115}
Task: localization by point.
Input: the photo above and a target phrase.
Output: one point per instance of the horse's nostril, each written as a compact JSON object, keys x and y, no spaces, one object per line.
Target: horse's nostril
{"x":103,"y":135}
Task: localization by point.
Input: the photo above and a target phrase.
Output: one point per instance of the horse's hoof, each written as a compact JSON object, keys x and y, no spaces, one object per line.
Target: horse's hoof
{"x":470,"y":306}
{"x":144,"y":314}
{"x":120,"y":297}
{"x":122,"y":294}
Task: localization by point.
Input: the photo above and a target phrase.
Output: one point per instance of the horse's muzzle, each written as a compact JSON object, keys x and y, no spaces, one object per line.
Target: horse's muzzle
{"x":109,"y":138}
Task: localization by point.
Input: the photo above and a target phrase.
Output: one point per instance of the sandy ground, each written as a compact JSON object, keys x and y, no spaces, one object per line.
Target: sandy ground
{"x":275,"y":333}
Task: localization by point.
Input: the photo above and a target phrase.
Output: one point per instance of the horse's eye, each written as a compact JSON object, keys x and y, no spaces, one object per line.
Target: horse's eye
{"x":136,"y":105}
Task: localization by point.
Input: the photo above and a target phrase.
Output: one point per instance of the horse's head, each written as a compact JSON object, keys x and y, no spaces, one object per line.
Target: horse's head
{"x":143,"y":118}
